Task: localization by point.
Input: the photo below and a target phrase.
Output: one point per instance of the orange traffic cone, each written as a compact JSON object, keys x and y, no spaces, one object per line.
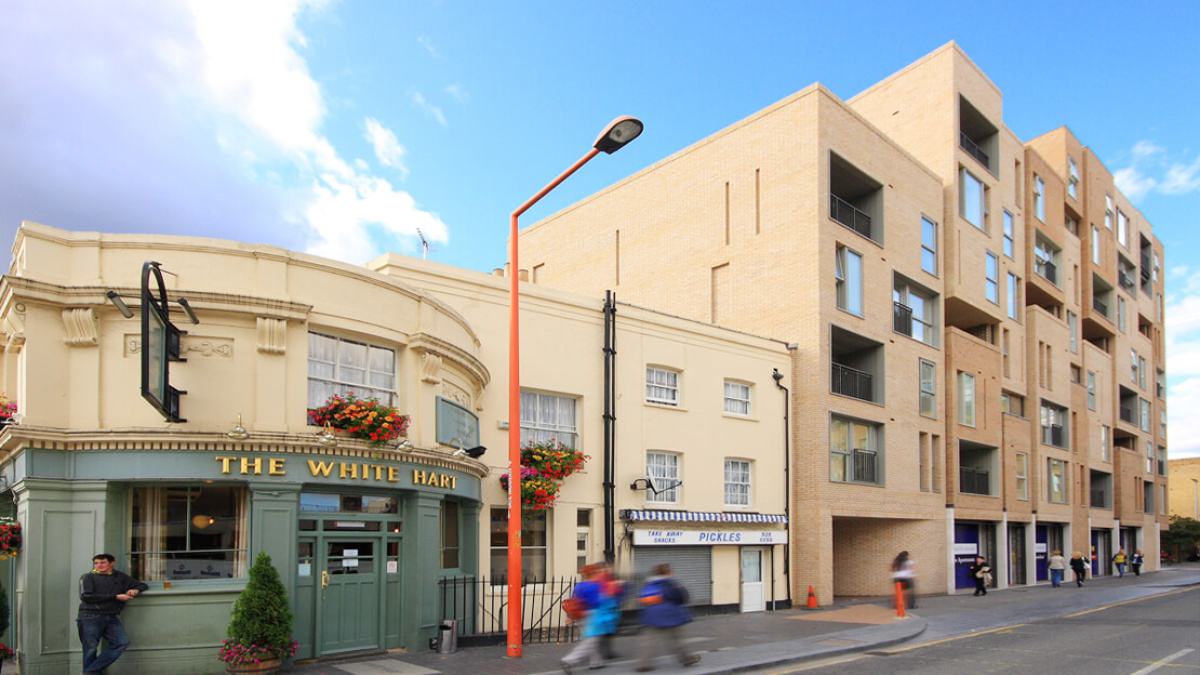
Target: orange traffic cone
{"x":812,"y":599}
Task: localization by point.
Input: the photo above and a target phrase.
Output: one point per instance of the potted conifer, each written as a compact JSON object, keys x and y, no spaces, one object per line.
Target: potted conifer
{"x":260,"y":633}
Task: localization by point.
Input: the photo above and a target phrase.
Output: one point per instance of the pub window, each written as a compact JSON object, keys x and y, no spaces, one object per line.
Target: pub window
{"x":533,"y":546}
{"x":449,"y":538}
{"x":188,"y":532}
{"x":546,"y":418}
{"x":337,"y":366}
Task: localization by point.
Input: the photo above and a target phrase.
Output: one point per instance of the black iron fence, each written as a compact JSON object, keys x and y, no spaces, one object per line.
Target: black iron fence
{"x":480,"y":606}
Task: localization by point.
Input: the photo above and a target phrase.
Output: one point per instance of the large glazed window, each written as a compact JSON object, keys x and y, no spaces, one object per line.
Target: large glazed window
{"x":854,"y":449}
{"x":533,"y":546}
{"x":546,"y":417}
{"x":338,"y":366}
{"x":188,"y":532}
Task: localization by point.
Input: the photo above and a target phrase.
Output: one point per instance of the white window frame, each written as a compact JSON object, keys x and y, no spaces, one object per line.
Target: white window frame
{"x":1022,"y":473}
{"x":1108,"y":211}
{"x":1122,"y":228}
{"x":1105,"y":443}
{"x":738,"y":483}
{"x":1009,"y":245}
{"x":991,"y":277}
{"x":903,"y":292}
{"x":546,"y":417}
{"x":1091,"y":390}
{"x":927,"y":373}
{"x":662,"y":386}
{"x":966,"y":398}
{"x":375,"y":378}
{"x":1039,"y":197}
{"x":1072,"y":178}
{"x":968,"y":183}
{"x":873,"y":447}
{"x":848,"y":270}
{"x":1095,"y":245}
{"x":737,"y":398}
{"x":929,"y":256}
{"x":664,"y":468}
{"x":1056,"y":495}
{"x":1014,"y":296}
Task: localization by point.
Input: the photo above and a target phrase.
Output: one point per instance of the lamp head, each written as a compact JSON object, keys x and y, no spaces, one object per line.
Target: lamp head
{"x":618,"y":134}
{"x":777,"y":375}
{"x":115,"y":299}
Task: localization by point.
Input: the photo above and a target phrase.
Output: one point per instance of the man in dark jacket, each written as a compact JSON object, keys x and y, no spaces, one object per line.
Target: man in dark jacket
{"x":103,"y":593}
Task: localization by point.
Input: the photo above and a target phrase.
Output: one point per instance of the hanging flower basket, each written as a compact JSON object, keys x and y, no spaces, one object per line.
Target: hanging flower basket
{"x":10,"y":538}
{"x":552,"y":459}
{"x":538,"y":492}
{"x":364,"y":418}
{"x":6,"y":652}
{"x":8,"y":408}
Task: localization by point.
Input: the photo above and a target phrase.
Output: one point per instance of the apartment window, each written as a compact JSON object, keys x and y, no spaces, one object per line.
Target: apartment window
{"x":923,"y":461}
{"x":1121,"y":314}
{"x":1144,"y":405}
{"x":1057,"y":472}
{"x":1108,"y":211}
{"x":1046,"y":259}
{"x":1014,"y":296}
{"x":1076,"y":374}
{"x":1133,"y":366}
{"x":991,"y":275}
{"x":1022,"y":471}
{"x":533,"y":546}
{"x":662,"y":386}
{"x":856,"y":365}
{"x":928,"y":388}
{"x":1013,"y":404}
{"x":337,"y":366}
{"x":546,"y":417}
{"x":1141,"y":372}
{"x":1160,"y":383}
{"x":178,"y":531}
{"x":1008,"y":234}
{"x":1162,"y":423}
{"x":1155,"y":271}
{"x":1122,"y":229}
{"x":854,"y":448}
{"x":1039,"y":197}
{"x":663,"y":467}
{"x":1105,"y":443}
{"x":914,"y":309}
{"x":972,"y":205}
{"x":1054,"y":429}
{"x":1071,"y":223}
{"x":1072,"y":178}
{"x":1095,"y":245}
{"x":1162,"y":500}
{"x":1149,"y":457}
{"x":737,"y":398}
{"x":855,"y":199}
{"x":1073,"y":329}
{"x":1162,"y":461}
{"x":1148,"y":497}
{"x":737,"y":482}
{"x":450,"y":543}
{"x":1091,"y":389}
{"x":583,"y":537}
{"x":849,"y":281}
{"x":966,"y":399}
{"x":929,"y":246}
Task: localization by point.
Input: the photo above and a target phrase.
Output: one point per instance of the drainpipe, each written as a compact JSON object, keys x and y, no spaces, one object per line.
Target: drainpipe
{"x":787,"y":484}
{"x":610,"y":425}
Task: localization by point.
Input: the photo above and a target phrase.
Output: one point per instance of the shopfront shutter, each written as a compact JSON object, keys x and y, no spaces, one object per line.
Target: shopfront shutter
{"x":691,"y":565}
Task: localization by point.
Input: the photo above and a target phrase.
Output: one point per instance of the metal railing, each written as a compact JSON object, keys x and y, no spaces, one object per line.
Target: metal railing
{"x":1128,"y":415}
{"x":1047,"y":269}
{"x":1100,"y":499}
{"x":480,"y":606}
{"x":845,"y":213}
{"x":902,"y":319}
{"x":1100,"y":306}
{"x":973,"y":149}
{"x":865,"y":467}
{"x":974,"y":481}
{"x":849,"y":381}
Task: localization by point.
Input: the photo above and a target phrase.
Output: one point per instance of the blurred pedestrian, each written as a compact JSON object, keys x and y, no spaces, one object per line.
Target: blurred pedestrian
{"x":1136,"y":562}
{"x":981,"y":572}
{"x":663,"y":612}
{"x":1079,"y":568}
{"x":613,"y":591}
{"x":904,"y":573}
{"x":600,"y":612}
{"x":1119,"y":561}
{"x":1058,"y":567}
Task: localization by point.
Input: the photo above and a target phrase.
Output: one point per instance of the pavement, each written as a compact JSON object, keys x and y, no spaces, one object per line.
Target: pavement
{"x":731,"y":643}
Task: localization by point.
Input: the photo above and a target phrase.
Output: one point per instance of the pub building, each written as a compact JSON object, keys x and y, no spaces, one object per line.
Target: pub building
{"x":223,"y":461}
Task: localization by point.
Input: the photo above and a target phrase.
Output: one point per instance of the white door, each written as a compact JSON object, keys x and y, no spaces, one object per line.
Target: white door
{"x":753,"y":597}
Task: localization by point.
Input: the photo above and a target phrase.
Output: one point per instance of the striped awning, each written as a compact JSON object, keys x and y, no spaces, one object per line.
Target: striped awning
{"x":702,"y":516}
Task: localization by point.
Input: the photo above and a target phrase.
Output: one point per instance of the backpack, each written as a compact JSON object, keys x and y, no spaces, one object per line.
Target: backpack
{"x":575,"y":608}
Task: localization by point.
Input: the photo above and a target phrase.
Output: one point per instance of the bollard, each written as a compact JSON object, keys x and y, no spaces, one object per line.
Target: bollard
{"x":900,"y":600}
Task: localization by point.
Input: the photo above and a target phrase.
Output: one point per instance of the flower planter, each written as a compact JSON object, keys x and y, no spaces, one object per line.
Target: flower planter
{"x":267,"y":667}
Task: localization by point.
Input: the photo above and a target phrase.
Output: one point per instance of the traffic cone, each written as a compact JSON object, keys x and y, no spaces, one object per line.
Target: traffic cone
{"x":812,"y":599}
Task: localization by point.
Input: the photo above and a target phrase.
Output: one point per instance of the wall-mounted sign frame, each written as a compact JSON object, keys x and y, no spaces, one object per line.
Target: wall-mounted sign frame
{"x":160,"y":346}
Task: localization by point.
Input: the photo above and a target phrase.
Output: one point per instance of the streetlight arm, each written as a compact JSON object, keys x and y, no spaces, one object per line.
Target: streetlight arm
{"x":553,"y":184}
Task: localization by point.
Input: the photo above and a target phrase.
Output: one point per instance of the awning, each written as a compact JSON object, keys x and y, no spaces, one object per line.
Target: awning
{"x":702,"y":516}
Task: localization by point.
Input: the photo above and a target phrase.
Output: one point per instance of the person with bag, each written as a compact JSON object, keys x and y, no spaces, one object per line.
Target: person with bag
{"x":1058,"y":567}
{"x":981,"y":572}
{"x":1119,"y":561}
{"x":663,"y":613}
{"x":1136,"y":562}
{"x":1079,"y":568}
{"x":613,"y":594}
{"x":598,"y":613}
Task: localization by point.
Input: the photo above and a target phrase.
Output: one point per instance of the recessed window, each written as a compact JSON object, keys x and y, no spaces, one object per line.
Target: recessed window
{"x":1039,"y":197}
{"x":991,"y":275}
{"x":737,"y":482}
{"x":1054,"y":429}
{"x":928,"y":388}
{"x":662,"y":386}
{"x":972,"y":205}
{"x":966,"y":399}
{"x":546,"y":417}
{"x":1091,"y":390}
{"x":929,"y":246}
{"x":188,"y":532}
{"x":737,"y":398}
{"x":533,"y":546}
{"x":1008,"y":234}
{"x":1013,"y":404}
{"x":854,"y":449}
{"x":1072,"y":178}
{"x":1014,"y":296}
{"x":450,"y":544}
{"x":339,"y":366}
{"x":914,"y":311}
{"x":1022,"y":472}
{"x":1057,"y":483}
{"x":849,"y":270}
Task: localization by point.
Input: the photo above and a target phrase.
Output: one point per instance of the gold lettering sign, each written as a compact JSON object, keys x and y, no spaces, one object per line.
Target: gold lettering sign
{"x":276,"y":466}
{"x":435,"y":479}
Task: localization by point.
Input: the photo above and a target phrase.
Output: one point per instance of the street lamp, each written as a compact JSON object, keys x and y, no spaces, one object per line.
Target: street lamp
{"x":615,"y":136}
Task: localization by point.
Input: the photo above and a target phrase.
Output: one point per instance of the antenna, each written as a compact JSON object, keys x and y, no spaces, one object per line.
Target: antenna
{"x":424,"y":244}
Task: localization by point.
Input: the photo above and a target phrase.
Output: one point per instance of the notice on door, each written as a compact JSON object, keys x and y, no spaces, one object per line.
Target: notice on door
{"x":351,"y":557}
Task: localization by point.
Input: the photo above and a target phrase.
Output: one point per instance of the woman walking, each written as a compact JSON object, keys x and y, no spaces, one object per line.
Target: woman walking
{"x":981,"y":572}
{"x":1119,"y":561}
{"x":1137,"y":561}
{"x":600,"y":619}
{"x":1058,"y":567}
{"x":662,"y":600}
{"x":903,"y":573}
{"x":1079,"y":568}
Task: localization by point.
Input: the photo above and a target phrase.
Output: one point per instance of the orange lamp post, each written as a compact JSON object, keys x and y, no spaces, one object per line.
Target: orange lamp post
{"x":615,"y":136}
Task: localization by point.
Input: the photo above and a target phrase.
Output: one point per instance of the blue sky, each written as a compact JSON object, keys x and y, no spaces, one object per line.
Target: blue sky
{"x":341,"y":128}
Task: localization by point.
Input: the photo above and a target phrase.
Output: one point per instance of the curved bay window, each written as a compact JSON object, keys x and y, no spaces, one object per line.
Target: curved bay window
{"x":188,"y":532}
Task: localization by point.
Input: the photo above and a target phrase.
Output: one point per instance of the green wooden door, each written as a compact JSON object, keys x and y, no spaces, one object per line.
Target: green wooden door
{"x":350,"y":595}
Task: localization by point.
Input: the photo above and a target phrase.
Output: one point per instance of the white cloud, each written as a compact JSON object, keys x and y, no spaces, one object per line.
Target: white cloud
{"x":457,"y":92}
{"x":1182,"y":179}
{"x":428,"y":45}
{"x":1133,"y":184}
{"x":387,"y":148}
{"x":1183,"y":350}
{"x":1151,"y":170}
{"x":1146,"y":149}
{"x":428,"y":107}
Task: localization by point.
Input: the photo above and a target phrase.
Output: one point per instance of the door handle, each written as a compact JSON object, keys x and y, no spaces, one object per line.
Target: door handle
{"x":324,"y":579}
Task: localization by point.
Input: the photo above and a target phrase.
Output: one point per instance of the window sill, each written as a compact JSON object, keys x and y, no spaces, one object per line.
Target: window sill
{"x":664,"y":406}
{"x":735,"y":416}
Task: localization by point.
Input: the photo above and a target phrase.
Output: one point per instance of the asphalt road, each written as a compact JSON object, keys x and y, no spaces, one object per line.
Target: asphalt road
{"x":1156,"y":634}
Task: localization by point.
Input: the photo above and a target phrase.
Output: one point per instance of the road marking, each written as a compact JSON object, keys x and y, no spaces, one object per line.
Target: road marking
{"x":1159,"y":664}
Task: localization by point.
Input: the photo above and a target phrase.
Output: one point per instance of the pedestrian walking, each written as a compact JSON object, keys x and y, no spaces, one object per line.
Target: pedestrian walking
{"x":1078,"y":567}
{"x":663,"y":613}
{"x":1119,"y":561}
{"x":1136,"y":562}
{"x":103,"y":593}
{"x":1058,"y":567}
{"x":981,"y":572}
{"x":599,"y":616}
{"x":904,"y":573}
{"x":614,"y":593}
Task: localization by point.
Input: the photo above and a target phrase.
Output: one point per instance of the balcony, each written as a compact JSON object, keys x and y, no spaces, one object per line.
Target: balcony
{"x":1100,"y":498}
{"x":845,"y":213}
{"x":973,"y":149}
{"x":1100,"y":306}
{"x":974,"y":481}
{"x":1053,"y":435}
{"x":902,"y":319}
{"x":851,"y":382}
{"x":1129,"y":415}
{"x":1047,"y":270}
{"x":865,"y":467}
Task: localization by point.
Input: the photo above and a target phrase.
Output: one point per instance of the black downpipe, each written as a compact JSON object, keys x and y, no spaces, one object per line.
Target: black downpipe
{"x":610,"y":425}
{"x":787,"y":482}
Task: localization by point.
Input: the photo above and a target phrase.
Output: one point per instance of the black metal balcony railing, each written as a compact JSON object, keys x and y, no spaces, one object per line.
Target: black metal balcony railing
{"x":1128,"y":415}
{"x":865,"y":467}
{"x":1100,"y":499}
{"x":845,"y":213}
{"x":973,"y":149}
{"x":1047,"y":269}
{"x":1125,"y":279}
{"x":1100,"y":306}
{"x":902,"y":319}
{"x":974,"y":481}
{"x":849,"y":381}
{"x":1053,"y":435}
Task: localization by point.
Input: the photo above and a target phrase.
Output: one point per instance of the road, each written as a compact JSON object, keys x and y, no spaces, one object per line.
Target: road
{"x":1155,"y":634}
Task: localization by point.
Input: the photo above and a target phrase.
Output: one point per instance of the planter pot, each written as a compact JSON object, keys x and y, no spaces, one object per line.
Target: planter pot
{"x":270,"y":667}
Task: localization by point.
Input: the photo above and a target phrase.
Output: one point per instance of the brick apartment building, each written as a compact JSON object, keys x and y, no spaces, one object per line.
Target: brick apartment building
{"x":977,"y":321}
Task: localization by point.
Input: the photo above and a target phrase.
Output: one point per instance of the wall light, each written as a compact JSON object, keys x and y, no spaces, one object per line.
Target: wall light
{"x":327,"y":439}
{"x":187,"y":309}
{"x":406,"y":446}
{"x":238,"y":433}
{"x":115,"y":298}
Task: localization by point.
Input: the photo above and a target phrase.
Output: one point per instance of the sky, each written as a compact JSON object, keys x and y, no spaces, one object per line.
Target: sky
{"x":352,"y":128}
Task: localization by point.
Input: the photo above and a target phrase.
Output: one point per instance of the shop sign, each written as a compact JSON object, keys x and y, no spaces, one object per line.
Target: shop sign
{"x":709,"y":537}
{"x":380,"y":473}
